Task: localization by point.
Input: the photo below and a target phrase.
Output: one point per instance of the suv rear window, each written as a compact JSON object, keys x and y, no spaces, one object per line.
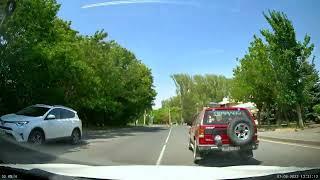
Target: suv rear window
{"x":224,"y":116}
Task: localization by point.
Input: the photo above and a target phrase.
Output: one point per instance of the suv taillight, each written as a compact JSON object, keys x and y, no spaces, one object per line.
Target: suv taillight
{"x":201,"y":132}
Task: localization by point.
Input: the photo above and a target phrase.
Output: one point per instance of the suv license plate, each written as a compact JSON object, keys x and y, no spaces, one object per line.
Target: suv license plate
{"x":230,"y":148}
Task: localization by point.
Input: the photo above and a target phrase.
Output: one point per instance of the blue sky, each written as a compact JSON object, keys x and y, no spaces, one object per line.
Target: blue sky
{"x":181,"y":36}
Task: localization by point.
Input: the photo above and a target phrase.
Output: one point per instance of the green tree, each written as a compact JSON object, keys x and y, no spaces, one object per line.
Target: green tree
{"x":254,"y":77}
{"x":183,"y":84}
{"x":43,"y":60}
{"x":287,"y":57}
{"x":197,"y":91}
{"x":161,"y":116}
{"x":173,"y":105}
{"x":278,"y":74}
{"x":314,"y":113}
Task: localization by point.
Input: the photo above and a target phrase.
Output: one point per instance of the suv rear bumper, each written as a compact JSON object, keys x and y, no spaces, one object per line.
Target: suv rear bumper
{"x":227,"y":147}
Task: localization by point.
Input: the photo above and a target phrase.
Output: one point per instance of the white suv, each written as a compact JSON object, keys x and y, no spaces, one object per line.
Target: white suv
{"x":39,"y":123}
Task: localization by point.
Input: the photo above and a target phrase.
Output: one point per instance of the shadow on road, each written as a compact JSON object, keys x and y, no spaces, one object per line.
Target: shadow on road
{"x":21,"y":153}
{"x":222,"y":159}
{"x":14,"y":153}
{"x":113,"y":133}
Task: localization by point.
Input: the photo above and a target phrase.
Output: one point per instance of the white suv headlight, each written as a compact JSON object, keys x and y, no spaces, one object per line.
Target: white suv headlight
{"x":21,"y":123}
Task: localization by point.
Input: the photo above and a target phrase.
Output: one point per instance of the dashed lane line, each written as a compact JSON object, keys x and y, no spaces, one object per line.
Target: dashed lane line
{"x":163,"y":148}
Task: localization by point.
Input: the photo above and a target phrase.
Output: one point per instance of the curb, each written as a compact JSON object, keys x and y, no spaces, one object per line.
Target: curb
{"x":314,"y":143}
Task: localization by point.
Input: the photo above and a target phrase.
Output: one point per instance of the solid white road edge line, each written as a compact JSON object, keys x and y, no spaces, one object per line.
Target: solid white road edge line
{"x":291,"y":144}
{"x":163,"y":148}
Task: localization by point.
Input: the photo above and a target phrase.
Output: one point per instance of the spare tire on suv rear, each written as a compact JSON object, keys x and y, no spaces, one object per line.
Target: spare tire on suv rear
{"x":240,"y":132}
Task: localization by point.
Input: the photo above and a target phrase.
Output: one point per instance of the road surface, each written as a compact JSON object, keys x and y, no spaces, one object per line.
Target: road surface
{"x":151,"y":146}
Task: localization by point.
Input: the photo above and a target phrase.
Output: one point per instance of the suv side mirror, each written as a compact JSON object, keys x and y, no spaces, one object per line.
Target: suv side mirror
{"x":51,"y":116}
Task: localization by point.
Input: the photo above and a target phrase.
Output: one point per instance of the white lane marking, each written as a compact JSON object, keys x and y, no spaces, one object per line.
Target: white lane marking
{"x":163,"y":148}
{"x":291,"y":144}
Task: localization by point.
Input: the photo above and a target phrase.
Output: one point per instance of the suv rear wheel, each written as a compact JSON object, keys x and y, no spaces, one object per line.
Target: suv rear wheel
{"x":196,"y":153}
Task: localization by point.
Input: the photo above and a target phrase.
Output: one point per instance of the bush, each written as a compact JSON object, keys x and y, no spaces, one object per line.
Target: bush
{"x":316,"y":109}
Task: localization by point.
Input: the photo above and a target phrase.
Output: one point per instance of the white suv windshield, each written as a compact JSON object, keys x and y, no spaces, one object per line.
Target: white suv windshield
{"x":33,"y":111}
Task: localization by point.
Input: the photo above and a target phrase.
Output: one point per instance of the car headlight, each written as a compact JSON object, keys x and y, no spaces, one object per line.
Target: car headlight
{"x":21,"y":123}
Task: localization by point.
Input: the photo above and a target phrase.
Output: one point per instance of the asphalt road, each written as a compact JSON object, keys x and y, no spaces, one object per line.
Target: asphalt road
{"x":151,"y":146}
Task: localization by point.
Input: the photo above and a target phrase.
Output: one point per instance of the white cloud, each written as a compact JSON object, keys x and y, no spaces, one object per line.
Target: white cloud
{"x":125,"y":2}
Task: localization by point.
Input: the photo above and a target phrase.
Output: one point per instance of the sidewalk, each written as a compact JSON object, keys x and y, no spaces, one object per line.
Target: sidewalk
{"x":308,"y":136}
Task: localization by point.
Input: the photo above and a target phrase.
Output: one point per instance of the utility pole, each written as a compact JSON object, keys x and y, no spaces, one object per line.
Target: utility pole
{"x":169,"y":116}
{"x":144,"y":117}
{"x":181,"y":107}
{"x":151,"y":119}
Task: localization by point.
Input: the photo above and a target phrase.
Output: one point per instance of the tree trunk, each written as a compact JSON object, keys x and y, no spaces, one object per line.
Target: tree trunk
{"x":268,"y":116}
{"x":278,"y":117}
{"x":300,"y":120}
{"x":169,"y":116}
{"x":259,"y":117}
{"x":144,"y":117}
{"x":286,"y":118}
{"x":181,"y":107}
{"x":259,"y":114}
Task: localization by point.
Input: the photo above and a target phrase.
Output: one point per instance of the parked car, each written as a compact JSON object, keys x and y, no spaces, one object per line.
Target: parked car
{"x":39,"y":123}
{"x":223,"y":129}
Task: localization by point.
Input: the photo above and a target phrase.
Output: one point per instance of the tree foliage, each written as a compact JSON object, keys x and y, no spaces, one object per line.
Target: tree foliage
{"x":253,"y":78}
{"x":277,"y":71}
{"x":43,"y":60}
{"x":195,"y":92}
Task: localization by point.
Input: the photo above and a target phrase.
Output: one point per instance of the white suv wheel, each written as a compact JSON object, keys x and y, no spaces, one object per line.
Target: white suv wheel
{"x":75,"y":136}
{"x":36,"y":137}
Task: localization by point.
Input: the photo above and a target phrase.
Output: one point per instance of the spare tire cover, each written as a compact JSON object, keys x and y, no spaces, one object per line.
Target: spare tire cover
{"x":240,"y":132}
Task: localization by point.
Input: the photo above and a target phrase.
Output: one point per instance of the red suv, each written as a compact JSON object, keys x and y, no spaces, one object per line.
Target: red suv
{"x":223,"y":129}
